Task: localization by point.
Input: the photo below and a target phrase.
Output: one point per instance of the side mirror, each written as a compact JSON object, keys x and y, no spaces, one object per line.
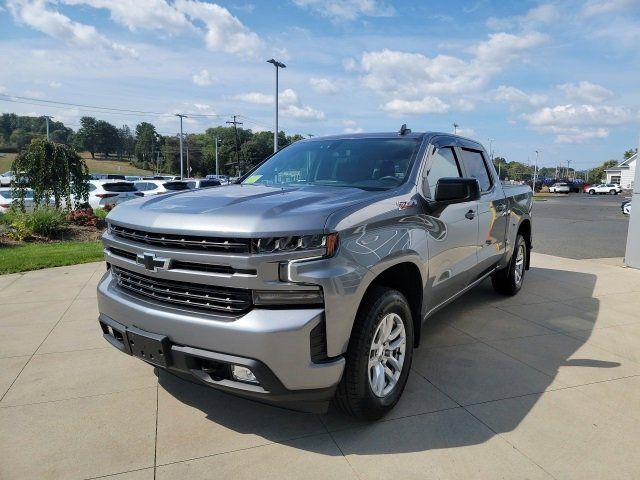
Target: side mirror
{"x":457,"y":190}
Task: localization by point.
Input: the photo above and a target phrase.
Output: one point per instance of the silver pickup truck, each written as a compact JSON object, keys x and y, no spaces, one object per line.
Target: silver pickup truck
{"x":310,"y":279}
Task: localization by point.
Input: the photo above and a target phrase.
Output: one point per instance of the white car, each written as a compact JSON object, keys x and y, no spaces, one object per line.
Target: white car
{"x":203,"y":182}
{"x":626,"y":208}
{"x":111,"y":192}
{"x":155,"y":187}
{"x":559,"y":188}
{"x":604,"y":188}
{"x":7,"y":198}
{"x":5,"y":179}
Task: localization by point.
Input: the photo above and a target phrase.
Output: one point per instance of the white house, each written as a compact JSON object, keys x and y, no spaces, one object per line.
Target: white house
{"x":624,"y":173}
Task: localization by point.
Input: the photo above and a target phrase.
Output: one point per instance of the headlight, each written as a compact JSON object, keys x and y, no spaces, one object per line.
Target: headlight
{"x":297,"y":242}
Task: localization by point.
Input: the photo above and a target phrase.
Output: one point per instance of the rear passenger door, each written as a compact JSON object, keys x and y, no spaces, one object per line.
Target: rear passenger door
{"x":452,"y":228}
{"x":492,"y":212}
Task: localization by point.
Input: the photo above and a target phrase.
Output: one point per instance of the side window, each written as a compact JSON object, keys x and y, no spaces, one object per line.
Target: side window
{"x":477,"y":168}
{"x":92,"y":187}
{"x":444,"y":164}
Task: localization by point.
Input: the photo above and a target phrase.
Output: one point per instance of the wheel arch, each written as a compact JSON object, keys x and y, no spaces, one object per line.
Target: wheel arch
{"x":524,"y":229}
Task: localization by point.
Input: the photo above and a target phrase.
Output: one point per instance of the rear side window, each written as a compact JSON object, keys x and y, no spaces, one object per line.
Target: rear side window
{"x":444,"y":165}
{"x":477,"y":168}
{"x":119,"y":187}
{"x":209,"y":183}
{"x":176,"y":186}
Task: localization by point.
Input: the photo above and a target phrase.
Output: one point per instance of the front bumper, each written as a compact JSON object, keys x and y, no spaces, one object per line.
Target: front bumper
{"x":274,"y":344}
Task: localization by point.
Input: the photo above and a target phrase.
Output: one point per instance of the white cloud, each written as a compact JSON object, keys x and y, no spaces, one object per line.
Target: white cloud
{"x":540,"y":15}
{"x":36,"y":15}
{"x":599,"y":7}
{"x":351,"y":126}
{"x":577,"y":135}
{"x":54,"y":84}
{"x":405,"y":79}
{"x":466,"y":132}
{"x":572,"y":115}
{"x":579,"y":123}
{"x":203,"y":78}
{"x":141,"y":14}
{"x":344,"y":10}
{"x":289,"y":104}
{"x":225,"y":33}
{"x":513,"y":95}
{"x":3,"y":89}
{"x":415,"y":107}
{"x":34,"y":94}
{"x":586,"y":91}
{"x":323,"y":85}
{"x":254,"y":97}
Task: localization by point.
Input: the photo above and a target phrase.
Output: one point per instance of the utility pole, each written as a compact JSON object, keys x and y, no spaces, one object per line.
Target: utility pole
{"x":535,"y":171}
{"x":217,"y":172}
{"x":568,"y":163}
{"x":455,"y":128}
{"x":158,"y":162}
{"x":181,"y":164}
{"x":235,"y":128}
{"x":186,"y":138}
{"x":278,"y":65}
{"x":47,"y":118}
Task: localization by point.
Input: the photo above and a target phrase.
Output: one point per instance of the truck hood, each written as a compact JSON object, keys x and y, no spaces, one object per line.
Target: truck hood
{"x":240,"y":210}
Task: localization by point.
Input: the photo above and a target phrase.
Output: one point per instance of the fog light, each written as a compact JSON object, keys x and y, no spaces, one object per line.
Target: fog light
{"x":243,"y":374}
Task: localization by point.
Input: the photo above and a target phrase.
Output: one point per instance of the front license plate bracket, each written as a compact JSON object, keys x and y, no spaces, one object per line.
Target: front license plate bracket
{"x":150,"y":347}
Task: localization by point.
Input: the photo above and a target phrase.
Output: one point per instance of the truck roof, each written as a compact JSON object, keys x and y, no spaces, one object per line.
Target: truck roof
{"x":417,"y":135}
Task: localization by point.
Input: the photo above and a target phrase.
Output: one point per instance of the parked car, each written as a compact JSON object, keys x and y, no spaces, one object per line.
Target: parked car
{"x":155,"y":187}
{"x":585,"y":188}
{"x":132,"y":178}
{"x":626,"y":207}
{"x":559,"y":188}
{"x":223,"y":179}
{"x":7,"y":198}
{"x":109,"y":192}
{"x":106,"y":176}
{"x":203,"y":182}
{"x":5,"y":178}
{"x":312,"y":278}
{"x":604,"y":188}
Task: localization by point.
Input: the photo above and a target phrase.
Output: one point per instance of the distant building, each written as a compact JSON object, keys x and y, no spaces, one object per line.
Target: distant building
{"x":624,"y":173}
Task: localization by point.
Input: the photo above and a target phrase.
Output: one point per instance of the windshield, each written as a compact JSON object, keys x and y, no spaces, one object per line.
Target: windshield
{"x":367,"y":163}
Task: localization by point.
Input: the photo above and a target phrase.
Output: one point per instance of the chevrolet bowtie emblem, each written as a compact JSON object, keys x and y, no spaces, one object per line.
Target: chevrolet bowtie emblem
{"x":151,"y":262}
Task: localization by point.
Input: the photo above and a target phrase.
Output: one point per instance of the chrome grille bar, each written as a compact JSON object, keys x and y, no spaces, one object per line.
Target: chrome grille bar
{"x":215,"y":299}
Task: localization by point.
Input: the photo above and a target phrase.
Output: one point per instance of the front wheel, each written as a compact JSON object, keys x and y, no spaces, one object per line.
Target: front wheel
{"x":613,"y":192}
{"x":379,"y":355}
{"x":508,"y":281}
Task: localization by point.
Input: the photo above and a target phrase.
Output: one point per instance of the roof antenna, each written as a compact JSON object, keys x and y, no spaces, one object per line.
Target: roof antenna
{"x":404,"y":130}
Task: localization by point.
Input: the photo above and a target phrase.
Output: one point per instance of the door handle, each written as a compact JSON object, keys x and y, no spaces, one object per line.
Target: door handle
{"x":470,"y":215}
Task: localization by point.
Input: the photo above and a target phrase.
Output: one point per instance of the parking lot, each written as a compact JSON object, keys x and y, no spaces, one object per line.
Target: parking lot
{"x":579,"y":226}
{"x":542,"y":385}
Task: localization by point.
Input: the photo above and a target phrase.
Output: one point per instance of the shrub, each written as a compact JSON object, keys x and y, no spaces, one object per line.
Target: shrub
{"x":83,"y":216}
{"x":45,"y":221}
{"x":101,"y":213}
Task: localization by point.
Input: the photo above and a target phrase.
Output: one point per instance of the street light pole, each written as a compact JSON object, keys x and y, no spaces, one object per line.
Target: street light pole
{"x":455,"y":128}
{"x":278,"y":65}
{"x":181,"y":164}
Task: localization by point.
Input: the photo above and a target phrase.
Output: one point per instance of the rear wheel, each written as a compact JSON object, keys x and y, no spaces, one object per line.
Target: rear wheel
{"x":508,"y":281}
{"x":592,"y":192}
{"x":613,"y":192}
{"x":379,"y":355}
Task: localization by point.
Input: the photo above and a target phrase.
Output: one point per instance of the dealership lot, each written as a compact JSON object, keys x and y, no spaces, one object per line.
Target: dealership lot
{"x":579,"y":226}
{"x":542,"y":385}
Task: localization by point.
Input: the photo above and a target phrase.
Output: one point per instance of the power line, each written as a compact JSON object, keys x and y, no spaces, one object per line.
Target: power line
{"x":235,"y":128}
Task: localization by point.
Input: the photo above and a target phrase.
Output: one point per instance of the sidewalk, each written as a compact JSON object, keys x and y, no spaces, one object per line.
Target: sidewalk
{"x":542,"y":385}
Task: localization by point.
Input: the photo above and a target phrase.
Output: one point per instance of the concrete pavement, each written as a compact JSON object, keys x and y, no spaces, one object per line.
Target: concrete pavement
{"x":542,"y":385}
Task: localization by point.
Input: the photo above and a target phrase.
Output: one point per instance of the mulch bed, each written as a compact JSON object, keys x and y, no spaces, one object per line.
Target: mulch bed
{"x":72,"y":232}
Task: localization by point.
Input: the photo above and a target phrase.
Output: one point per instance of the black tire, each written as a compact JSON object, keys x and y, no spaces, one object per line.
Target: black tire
{"x":613,"y":192}
{"x":592,"y":192}
{"x":354,"y":395}
{"x":505,"y":281}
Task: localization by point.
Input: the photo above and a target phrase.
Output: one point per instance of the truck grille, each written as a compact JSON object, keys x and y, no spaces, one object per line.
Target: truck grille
{"x":190,"y":242}
{"x":194,"y":295}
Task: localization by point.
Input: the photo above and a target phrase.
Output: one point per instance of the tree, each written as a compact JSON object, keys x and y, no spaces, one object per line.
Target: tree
{"x":87,"y":136}
{"x":146,"y":142}
{"x":106,"y":138}
{"x":630,"y":153}
{"x":126,"y":142}
{"x":55,"y":172}
{"x":597,"y":175}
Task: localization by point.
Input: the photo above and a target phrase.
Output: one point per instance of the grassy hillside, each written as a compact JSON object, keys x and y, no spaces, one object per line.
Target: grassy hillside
{"x":95,"y":166}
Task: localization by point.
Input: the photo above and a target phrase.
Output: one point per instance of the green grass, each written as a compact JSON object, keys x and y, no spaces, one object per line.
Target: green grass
{"x":95,"y":166}
{"x":34,"y":256}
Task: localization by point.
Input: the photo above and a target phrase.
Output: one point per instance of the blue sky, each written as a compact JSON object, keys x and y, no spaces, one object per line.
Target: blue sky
{"x":557,"y":77}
